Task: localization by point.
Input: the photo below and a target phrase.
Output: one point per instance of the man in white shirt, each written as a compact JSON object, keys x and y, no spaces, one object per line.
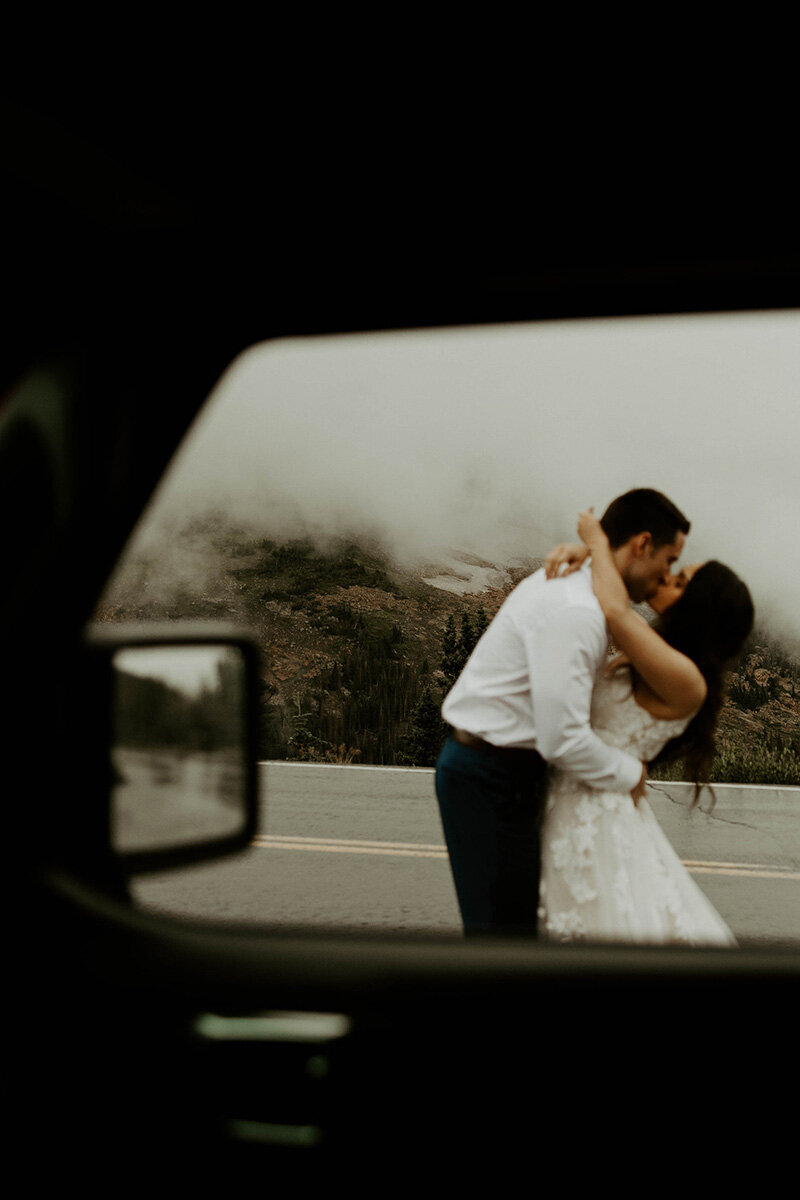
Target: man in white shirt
{"x":522,"y":701}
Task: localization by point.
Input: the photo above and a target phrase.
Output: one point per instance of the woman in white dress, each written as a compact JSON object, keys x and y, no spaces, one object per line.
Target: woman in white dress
{"x":608,"y":871}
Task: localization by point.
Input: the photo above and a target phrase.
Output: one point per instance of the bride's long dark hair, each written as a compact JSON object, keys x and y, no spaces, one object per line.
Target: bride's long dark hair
{"x":709,"y":624}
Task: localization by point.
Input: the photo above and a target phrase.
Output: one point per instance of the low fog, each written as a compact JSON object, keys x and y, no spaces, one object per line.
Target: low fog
{"x":489,"y":440}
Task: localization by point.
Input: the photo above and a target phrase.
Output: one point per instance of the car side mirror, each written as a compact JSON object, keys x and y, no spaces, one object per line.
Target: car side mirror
{"x":183,"y":722}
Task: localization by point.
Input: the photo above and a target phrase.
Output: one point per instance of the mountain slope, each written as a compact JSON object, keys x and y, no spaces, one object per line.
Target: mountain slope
{"x":359,"y":650}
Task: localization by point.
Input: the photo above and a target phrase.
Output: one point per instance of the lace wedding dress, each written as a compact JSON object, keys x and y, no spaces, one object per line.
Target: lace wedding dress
{"x":609,"y":872}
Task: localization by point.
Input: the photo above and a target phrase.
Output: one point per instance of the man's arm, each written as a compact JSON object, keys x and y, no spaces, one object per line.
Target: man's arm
{"x":563,"y":656}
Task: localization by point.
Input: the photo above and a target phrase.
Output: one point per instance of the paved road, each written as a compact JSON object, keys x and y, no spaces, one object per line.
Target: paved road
{"x":362,"y":848}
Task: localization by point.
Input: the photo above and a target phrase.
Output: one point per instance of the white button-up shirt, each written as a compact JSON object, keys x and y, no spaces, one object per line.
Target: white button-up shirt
{"x":528,"y":682}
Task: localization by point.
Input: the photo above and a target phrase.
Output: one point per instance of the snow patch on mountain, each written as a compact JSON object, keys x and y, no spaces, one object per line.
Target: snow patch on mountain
{"x":467,"y":575}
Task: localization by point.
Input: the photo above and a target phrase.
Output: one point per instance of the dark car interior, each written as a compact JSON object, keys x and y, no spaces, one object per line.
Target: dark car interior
{"x":144,"y":250}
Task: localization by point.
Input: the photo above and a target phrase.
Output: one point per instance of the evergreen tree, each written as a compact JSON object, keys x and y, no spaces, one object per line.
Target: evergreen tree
{"x":427,"y":733}
{"x":457,"y":647}
{"x":468,"y":638}
{"x":481,"y":624}
{"x":451,"y":656}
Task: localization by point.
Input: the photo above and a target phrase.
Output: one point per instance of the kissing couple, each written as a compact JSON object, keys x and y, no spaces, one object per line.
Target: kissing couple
{"x":541,"y":785}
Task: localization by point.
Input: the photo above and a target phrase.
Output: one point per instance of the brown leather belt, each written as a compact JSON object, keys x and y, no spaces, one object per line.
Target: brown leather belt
{"x":470,"y":739}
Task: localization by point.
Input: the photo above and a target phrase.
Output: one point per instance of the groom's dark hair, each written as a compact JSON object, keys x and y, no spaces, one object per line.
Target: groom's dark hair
{"x":643,"y":510}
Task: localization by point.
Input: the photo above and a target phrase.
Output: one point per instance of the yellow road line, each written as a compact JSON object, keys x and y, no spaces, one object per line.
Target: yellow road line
{"x":761,"y":873}
{"x":281,"y":839}
{"x":701,"y":862}
{"x":423,"y":850}
{"x":339,"y":846}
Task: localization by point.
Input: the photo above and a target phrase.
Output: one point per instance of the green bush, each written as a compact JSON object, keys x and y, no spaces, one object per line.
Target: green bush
{"x":758,"y":764}
{"x":764,"y":764}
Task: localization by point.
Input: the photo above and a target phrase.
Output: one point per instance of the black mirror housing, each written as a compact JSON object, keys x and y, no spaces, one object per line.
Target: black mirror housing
{"x":183,"y":727}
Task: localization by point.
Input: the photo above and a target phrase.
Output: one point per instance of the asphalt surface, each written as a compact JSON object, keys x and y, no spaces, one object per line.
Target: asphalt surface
{"x":344,"y":847}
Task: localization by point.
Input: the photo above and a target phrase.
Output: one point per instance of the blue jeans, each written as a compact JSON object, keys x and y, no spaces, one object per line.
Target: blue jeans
{"x":491,"y":807}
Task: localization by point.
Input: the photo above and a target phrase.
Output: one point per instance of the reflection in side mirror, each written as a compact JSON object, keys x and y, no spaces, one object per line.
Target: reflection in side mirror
{"x":181,"y":751}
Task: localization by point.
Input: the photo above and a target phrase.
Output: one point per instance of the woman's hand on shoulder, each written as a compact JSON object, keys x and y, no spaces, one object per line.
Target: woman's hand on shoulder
{"x":564,"y":559}
{"x":570,"y":556}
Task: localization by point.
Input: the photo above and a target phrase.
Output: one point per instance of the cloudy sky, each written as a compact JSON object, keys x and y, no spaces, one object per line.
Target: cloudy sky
{"x":190,"y":668}
{"x":490,"y":439}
